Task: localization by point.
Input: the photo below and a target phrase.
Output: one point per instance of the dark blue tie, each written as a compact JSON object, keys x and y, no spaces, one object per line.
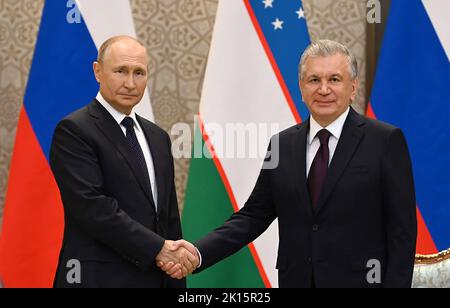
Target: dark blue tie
{"x":319,"y":167}
{"x":137,"y":150}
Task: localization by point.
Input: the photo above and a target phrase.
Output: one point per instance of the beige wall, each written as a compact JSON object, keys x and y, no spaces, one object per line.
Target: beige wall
{"x":177,"y":34}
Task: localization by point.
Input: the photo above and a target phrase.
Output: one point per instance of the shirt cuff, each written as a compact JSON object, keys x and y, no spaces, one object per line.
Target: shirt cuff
{"x":199,"y":258}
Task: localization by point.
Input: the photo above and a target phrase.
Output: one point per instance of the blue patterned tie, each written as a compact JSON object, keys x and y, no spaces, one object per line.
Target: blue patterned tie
{"x":136,"y":149}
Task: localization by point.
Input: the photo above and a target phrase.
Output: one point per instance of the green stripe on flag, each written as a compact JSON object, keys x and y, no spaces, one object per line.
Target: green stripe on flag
{"x":208,"y":206}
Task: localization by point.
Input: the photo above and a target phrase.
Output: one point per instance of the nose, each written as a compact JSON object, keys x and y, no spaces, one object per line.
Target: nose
{"x":324,"y":89}
{"x":129,"y":82}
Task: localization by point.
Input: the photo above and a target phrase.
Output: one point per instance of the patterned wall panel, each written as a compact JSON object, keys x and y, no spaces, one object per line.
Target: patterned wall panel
{"x":178,"y":35}
{"x":19,"y":25}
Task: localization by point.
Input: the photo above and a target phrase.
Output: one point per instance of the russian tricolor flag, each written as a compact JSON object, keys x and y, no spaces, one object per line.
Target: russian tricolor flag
{"x":411,"y":91}
{"x":61,"y":81}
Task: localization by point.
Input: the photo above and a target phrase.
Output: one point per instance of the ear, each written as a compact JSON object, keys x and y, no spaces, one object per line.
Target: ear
{"x":97,"y":70}
{"x":355,"y":86}
{"x":300,"y":85}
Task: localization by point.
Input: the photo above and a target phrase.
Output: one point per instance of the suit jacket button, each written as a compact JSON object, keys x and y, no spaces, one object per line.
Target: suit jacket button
{"x":315,"y":228}
{"x":309,"y":260}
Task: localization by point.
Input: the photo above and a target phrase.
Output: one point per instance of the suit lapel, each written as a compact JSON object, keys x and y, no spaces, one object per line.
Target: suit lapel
{"x":157,"y":157}
{"x":109,"y":127}
{"x":299,"y":158}
{"x":351,"y":136}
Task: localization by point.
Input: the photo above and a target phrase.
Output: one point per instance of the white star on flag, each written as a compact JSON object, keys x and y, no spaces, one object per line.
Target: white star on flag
{"x":300,"y":13}
{"x":268,"y":3}
{"x":278,"y":24}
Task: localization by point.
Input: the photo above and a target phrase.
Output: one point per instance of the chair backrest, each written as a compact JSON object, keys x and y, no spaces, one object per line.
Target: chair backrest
{"x":432,"y":271}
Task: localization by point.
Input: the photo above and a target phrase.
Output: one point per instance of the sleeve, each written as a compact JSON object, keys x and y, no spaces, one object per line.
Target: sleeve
{"x":174,"y":221}
{"x":77,"y":171}
{"x":175,"y":232}
{"x":400,"y":208}
{"x":242,"y":227}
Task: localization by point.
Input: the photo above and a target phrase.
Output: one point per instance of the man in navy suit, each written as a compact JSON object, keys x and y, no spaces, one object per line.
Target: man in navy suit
{"x":115,"y":173}
{"x":343,"y":191}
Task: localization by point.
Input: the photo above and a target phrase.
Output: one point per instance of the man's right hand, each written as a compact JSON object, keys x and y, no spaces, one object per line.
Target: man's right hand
{"x":177,"y":261}
{"x":177,"y":270}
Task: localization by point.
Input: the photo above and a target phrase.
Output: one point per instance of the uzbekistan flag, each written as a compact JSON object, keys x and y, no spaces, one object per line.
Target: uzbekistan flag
{"x":251,"y":78}
{"x":411,"y":92}
{"x":61,"y":81}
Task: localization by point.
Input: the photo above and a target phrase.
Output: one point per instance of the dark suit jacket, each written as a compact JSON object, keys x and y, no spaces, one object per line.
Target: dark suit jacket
{"x":367,"y":210}
{"x":111,"y":225}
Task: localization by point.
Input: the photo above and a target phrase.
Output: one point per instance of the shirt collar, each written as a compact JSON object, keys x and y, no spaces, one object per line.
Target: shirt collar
{"x":334,"y":128}
{"x":117,"y":115}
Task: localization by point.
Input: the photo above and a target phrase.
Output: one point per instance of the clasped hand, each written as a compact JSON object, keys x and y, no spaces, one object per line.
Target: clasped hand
{"x":178,"y":259}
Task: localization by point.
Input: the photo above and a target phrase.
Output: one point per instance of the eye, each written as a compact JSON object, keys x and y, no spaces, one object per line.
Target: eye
{"x":335,"y":79}
{"x":314,"y":80}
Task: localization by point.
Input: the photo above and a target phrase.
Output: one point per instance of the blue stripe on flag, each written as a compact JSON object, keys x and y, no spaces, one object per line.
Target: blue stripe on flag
{"x":61,"y":78}
{"x":287,"y":44}
{"x":411,"y":91}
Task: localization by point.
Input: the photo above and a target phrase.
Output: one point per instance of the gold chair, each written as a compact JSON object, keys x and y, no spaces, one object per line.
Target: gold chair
{"x":432,"y":271}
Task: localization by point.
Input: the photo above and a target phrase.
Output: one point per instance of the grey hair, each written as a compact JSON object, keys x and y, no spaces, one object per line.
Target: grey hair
{"x":326,"y":48}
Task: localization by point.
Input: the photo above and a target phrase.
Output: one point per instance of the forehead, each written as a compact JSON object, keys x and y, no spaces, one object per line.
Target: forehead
{"x":126,"y":53}
{"x":329,"y":65}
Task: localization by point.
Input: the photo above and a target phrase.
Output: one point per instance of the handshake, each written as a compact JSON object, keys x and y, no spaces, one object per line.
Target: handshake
{"x":178,"y":259}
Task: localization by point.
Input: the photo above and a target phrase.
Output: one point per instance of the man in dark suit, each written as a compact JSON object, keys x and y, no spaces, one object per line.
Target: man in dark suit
{"x":115,"y":173}
{"x":343,"y":191}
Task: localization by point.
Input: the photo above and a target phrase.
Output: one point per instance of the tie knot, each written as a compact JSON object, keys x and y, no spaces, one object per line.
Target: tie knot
{"x":128,"y":123}
{"x":324,"y":136}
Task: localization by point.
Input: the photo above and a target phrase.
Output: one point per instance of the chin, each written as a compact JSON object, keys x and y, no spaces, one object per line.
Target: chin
{"x":325,"y":111}
{"x":128,"y":103}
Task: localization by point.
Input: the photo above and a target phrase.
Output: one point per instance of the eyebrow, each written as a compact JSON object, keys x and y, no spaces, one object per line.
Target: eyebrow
{"x":312,"y":76}
{"x":124,"y":67}
{"x":316,"y":76}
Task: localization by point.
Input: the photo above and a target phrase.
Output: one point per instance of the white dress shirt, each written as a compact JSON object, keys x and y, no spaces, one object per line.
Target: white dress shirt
{"x":313,"y":142}
{"x":118,"y":116}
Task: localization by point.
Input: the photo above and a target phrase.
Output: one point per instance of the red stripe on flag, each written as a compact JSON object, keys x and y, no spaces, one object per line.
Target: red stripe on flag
{"x":229,"y":190}
{"x":425,"y":243}
{"x":369,"y":112}
{"x":33,"y":220}
{"x":272,"y":61}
